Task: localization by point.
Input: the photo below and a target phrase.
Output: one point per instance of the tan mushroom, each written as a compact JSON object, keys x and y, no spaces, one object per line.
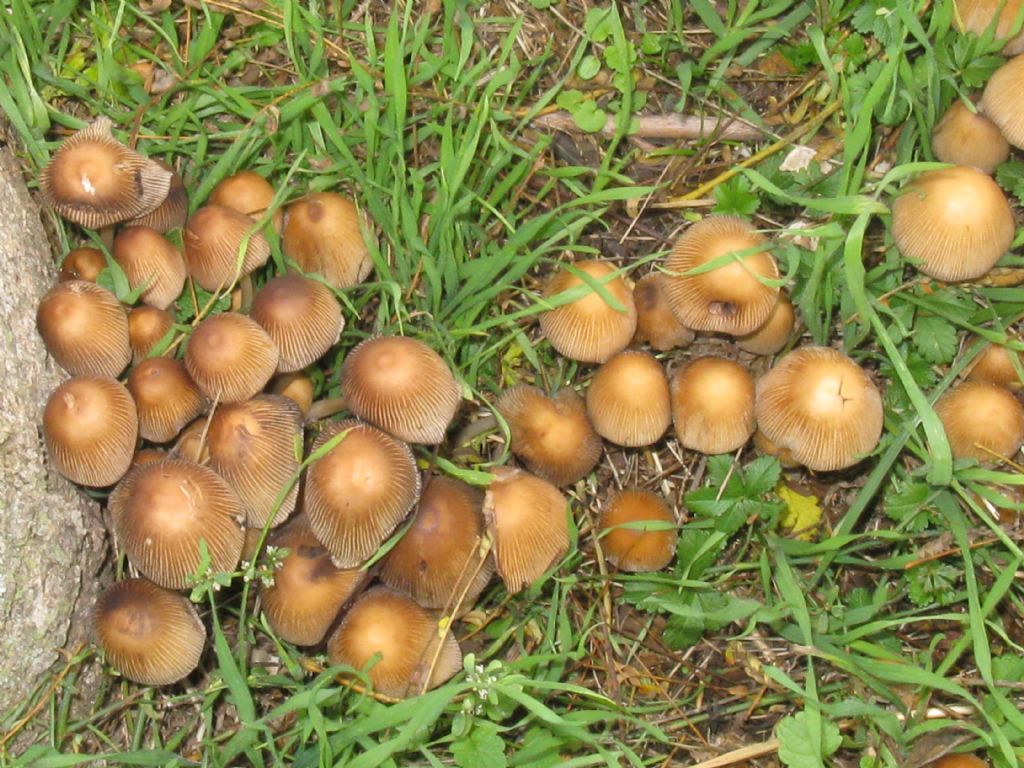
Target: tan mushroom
{"x":626,"y":542}
{"x":713,"y":405}
{"x":628,"y":400}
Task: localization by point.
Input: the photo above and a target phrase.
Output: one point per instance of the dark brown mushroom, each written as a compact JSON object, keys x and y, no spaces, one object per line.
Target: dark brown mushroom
{"x":85,"y":329}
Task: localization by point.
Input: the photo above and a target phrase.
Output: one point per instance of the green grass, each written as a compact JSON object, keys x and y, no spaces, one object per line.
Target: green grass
{"x":864,"y":649}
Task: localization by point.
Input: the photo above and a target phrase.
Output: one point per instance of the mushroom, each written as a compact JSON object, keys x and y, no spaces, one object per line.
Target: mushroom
{"x":308,"y":590}
{"x":230,"y":357}
{"x":252,"y":446}
{"x":249,"y":193}
{"x":962,"y":760}
{"x":965,"y":137}
{"x":655,"y":323}
{"x":151,"y":635}
{"x":776,"y":331}
{"x":323,"y":233}
{"x":95,"y":181}
{"x":637,"y":548}
{"x":589,"y":329}
{"x":439,"y":561}
{"x":82,"y":264}
{"x":162,"y":510}
{"x":149,"y":259}
{"x":397,"y":643}
{"x":821,"y":406}
{"x":713,"y":405}
{"x":527,"y":519}
{"x":954,"y":222}
{"x":301,"y":316}
{"x":553,"y":436}
{"x":84,"y":328}
{"x":977,"y":16}
{"x":297,"y":387}
{"x":719,"y":275}
{"x":995,"y":365}
{"x":192,"y":444}
{"x":982,"y":421}
{"x":90,"y":427}
{"x":628,"y":400}
{"x":166,"y":398}
{"x":172,"y":212}
{"x":147,"y":327}
{"x":359,"y":491}
{"x":1001,"y":102}
{"x":221,"y":246}
{"x":402,"y":386}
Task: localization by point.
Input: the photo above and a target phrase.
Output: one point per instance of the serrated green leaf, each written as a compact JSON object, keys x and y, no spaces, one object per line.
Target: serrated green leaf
{"x":483,"y":748}
{"x":796,"y":741}
{"x":935,"y":338}
{"x":761,"y":475}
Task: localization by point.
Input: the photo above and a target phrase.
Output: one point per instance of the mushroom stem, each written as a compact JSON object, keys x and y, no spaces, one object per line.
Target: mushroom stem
{"x":470,"y":432}
{"x":245,"y":284}
{"x":321,"y":409}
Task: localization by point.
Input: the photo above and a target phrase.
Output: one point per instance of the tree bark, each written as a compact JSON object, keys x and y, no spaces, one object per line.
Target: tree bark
{"x":52,"y":540}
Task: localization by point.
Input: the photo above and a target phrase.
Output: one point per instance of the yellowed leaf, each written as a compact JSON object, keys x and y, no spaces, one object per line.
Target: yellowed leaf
{"x":802,"y":513}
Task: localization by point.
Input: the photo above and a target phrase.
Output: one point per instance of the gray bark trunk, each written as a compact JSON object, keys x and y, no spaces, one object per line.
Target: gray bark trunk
{"x":52,"y":541}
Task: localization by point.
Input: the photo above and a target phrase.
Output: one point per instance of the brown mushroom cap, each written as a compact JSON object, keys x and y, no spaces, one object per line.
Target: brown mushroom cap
{"x":147,"y":326}
{"x":172,"y":212}
{"x":1001,"y":102}
{"x":959,"y":760}
{"x":359,"y":492}
{"x":308,"y":590}
{"x":776,"y":331}
{"x":163,"y":509}
{"x":994,"y":364}
{"x":151,"y":635}
{"x":192,"y":443}
{"x":589,"y":329}
{"x":249,"y":193}
{"x":230,"y":357}
{"x":527,"y":519}
{"x":655,"y":323}
{"x":982,"y":421}
{"x":91,"y":427}
{"x":404,"y":635}
{"x":213,"y":241}
{"x":166,"y":398}
{"x":977,"y":15}
{"x":628,"y":400}
{"x":821,"y":406}
{"x":301,"y":316}
{"x":402,"y":386}
{"x":730,"y":298}
{"x":955,"y":223}
{"x":148,"y":258}
{"x":85,"y":329}
{"x":323,"y":234}
{"x":252,"y":446}
{"x":82,"y":264}
{"x":713,"y":405}
{"x":146,"y":455}
{"x":437,"y":562}
{"x":635,"y":549}
{"x":297,"y":387}
{"x":94,"y":180}
{"x":553,"y":436}
{"x":963,"y":137}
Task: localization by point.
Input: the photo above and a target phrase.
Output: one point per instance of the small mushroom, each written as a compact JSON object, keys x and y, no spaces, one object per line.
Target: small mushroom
{"x":82,"y":264}
{"x":323,"y":234}
{"x":249,"y":193}
{"x":301,"y":316}
{"x":962,"y":760}
{"x":636,"y":548}
{"x":655,"y":323}
{"x":995,"y":365}
{"x":172,"y":212}
{"x":982,"y":421}
{"x":166,"y":398}
{"x":977,"y":16}
{"x":149,"y":259}
{"x":147,"y":327}
{"x":776,"y":331}
{"x":221,"y":246}
{"x":296,"y":386}
{"x":713,"y":405}
{"x":963,"y":137}
{"x":230,"y":357}
{"x":1001,"y":100}
{"x":84,"y":328}
{"x":628,"y":400}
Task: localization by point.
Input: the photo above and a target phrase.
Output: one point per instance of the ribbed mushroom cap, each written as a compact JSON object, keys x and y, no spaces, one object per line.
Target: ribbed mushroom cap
{"x":963,"y":137}
{"x":713,"y":405}
{"x":166,"y":398}
{"x":776,"y":331}
{"x":437,"y":561}
{"x":994,"y":364}
{"x":655,"y":323}
{"x":954,"y":222}
{"x":977,"y":15}
{"x":172,"y":212}
{"x":359,"y":492}
{"x":766,"y":446}
{"x":192,"y":444}
{"x":730,"y":298}
{"x":1001,"y":100}
{"x":527,"y":519}
{"x":553,"y":436}
{"x":230,"y":357}
{"x":628,"y":400}
{"x":163,"y":509}
{"x":322,"y":234}
{"x":961,"y":760}
{"x":91,"y":427}
{"x":308,"y":590}
{"x":146,"y":327}
{"x":982,"y":421}
{"x":146,"y":455}
{"x":213,"y":241}
{"x":94,"y":180}
{"x":149,"y":634}
{"x":635,"y":549}
{"x":404,"y":635}
{"x":148,"y":258}
{"x":589,"y":329}
{"x":821,"y":406}
{"x":402,"y":386}
{"x":84,"y":328}
{"x":252,"y":446}
{"x":82,"y":264}
{"x":296,"y":386}
{"x":301,"y":316}
{"x":249,"y":193}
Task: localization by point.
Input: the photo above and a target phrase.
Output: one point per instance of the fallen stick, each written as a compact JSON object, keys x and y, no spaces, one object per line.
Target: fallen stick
{"x":666,"y":126}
